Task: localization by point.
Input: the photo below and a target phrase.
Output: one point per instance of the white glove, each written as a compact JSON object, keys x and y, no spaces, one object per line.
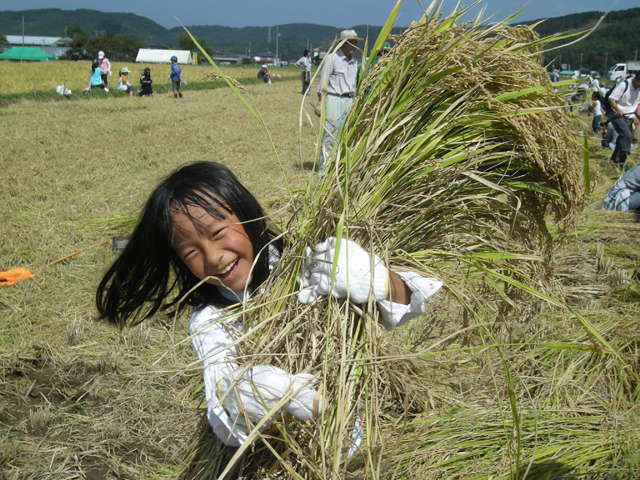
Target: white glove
{"x":318,"y":109}
{"x":353,"y":273}
{"x":256,"y":391}
{"x":106,"y":90}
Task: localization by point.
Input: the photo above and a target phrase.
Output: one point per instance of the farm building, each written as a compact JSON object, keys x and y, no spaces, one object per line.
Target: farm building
{"x":226,"y":58}
{"x":264,"y":57}
{"x":150,"y":55}
{"x":320,"y":52}
{"x":55,"y":46}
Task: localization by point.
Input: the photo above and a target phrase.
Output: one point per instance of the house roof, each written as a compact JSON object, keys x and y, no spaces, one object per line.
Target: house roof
{"x":163,"y":56}
{"x":32,"y":40}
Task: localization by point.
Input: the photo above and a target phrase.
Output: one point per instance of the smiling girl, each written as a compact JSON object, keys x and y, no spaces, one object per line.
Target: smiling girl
{"x":203,"y":236}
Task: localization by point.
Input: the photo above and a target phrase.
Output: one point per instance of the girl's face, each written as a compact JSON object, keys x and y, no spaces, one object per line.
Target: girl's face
{"x":220,"y":250}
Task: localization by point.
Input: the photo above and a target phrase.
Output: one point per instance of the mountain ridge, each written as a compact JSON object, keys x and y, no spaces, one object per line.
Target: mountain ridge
{"x":611,"y":43}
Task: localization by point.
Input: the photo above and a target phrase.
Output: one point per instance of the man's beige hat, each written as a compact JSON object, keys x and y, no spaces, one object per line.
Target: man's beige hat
{"x":349,"y":35}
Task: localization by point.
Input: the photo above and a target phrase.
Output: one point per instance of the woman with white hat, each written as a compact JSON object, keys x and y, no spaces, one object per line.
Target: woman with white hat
{"x":105,"y":65}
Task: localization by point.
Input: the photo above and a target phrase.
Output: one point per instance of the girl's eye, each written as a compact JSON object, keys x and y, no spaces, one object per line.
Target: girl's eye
{"x":218,"y":232}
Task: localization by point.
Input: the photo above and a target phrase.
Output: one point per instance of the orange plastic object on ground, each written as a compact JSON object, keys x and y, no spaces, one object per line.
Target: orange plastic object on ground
{"x":16,"y":275}
{"x":13,"y":276}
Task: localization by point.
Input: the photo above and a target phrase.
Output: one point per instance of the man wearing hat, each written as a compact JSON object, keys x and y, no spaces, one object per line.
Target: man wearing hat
{"x":175,"y":77}
{"x":338,"y":81}
{"x":263,"y":74}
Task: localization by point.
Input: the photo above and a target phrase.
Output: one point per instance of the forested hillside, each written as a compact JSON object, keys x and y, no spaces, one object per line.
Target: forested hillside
{"x":615,"y":40}
{"x":294,"y":37}
{"x":53,"y":21}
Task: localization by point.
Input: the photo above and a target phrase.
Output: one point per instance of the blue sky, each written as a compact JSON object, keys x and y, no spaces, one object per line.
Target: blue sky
{"x":338,"y":13}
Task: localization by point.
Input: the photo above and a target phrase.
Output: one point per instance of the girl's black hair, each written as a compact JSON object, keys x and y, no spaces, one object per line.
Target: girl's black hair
{"x":596,"y":95}
{"x":95,"y":64}
{"x":148,"y":270}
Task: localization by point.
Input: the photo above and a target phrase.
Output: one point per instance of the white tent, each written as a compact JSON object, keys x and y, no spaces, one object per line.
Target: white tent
{"x":149,"y":55}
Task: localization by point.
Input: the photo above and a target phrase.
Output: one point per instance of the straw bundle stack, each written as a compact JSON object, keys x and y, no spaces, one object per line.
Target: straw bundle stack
{"x":447,"y":166}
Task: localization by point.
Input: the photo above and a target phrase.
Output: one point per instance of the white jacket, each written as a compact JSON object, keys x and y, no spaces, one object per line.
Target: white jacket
{"x":214,"y":331}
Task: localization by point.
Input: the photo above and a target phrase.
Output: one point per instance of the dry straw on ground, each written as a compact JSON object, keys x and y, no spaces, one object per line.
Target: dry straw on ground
{"x":75,"y":173}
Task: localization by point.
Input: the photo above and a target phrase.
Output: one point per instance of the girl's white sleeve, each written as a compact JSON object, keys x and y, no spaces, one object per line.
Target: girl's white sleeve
{"x":395,"y":315}
{"x":212,"y":339}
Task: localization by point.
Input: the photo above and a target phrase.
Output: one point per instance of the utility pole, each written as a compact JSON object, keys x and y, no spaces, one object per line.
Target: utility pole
{"x":606,"y":55}
{"x":277,"y":60}
{"x":580,"y":71}
{"x":561,"y":63}
{"x":636,"y":57}
{"x":23,"y":30}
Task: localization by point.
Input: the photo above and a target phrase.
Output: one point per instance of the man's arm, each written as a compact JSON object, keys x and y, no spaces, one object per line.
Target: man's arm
{"x":323,"y":74}
{"x":614,"y":106}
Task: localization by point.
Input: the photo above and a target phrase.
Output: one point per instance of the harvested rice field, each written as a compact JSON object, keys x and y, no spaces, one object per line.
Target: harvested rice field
{"x":539,"y":380}
{"x":20,"y":78}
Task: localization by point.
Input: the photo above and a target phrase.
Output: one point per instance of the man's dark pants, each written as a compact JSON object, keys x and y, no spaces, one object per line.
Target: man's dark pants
{"x":622,"y":125}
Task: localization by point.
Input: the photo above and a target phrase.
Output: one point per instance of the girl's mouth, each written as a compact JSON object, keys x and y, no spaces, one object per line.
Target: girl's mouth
{"x":227,"y":271}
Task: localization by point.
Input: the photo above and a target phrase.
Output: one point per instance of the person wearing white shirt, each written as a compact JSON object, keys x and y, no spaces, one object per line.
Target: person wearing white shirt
{"x":624,"y":102}
{"x":338,"y":82}
{"x":214,"y":329}
{"x":305,"y":75}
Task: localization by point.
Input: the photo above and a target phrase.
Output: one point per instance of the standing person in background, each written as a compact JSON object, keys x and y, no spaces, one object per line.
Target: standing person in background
{"x":554,"y":76}
{"x":105,"y":65}
{"x":175,"y":77}
{"x":596,"y":109}
{"x":305,"y":75}
{"x":338,"y":82}
{"x":624,"y":103}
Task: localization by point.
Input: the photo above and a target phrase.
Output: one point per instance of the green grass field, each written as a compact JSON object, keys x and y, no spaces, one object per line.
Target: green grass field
{"x":79,"y":399}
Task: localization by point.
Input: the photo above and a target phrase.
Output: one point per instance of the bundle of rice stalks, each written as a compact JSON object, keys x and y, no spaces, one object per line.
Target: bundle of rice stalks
{"x":447,"y":166}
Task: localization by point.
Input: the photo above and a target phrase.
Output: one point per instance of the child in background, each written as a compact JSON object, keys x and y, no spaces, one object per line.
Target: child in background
{"x":175,"y":77}
{"x":105,"y":65}
{"x":596,"y":110}
{"x":95,"y":77}
{"x":123,"y":81}
{"x":145,"y":83}
{"x":202,"y":224}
